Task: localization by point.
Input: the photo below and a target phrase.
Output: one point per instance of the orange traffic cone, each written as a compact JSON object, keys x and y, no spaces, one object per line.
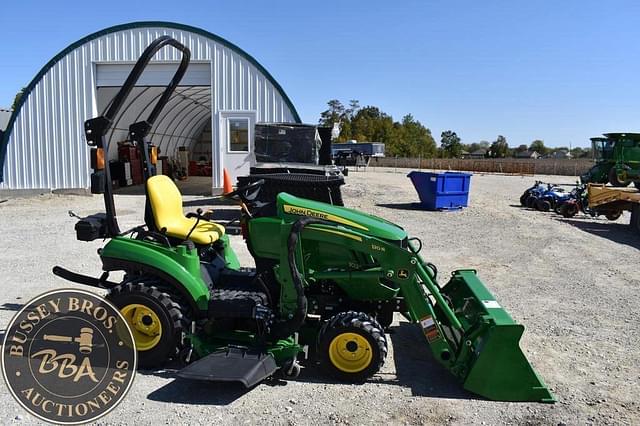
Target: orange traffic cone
{"x":227,"y":186}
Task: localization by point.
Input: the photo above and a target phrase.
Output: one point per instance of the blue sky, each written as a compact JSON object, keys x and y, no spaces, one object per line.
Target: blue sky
{"x":561,"y":71}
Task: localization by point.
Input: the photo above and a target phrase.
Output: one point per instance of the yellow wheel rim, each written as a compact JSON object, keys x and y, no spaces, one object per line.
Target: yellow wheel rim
{"x":350,"y":352}
{"x":145,"y":325}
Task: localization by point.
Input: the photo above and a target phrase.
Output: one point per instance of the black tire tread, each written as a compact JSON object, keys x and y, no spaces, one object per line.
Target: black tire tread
{"x":366,"y":324}
{"x":155,"y":288}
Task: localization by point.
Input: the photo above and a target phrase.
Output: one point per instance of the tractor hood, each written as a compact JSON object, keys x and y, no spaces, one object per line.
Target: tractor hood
{"x":289,"y":205}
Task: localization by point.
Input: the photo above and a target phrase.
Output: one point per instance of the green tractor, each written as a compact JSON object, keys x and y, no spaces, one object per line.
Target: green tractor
{"x":617,"y":157}
{"x":326,"y":282}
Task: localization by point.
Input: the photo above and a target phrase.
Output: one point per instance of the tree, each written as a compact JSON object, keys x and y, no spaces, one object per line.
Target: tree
{"x":521,"y":148}
{"x":412,"y":139}
{"x":334,"y":114}
{"x":18,"y":97}
{"x":337,"y":113}
{"x":371,"y":124}
{"x":538,"y":146}
{"x":474,"y":146}
{"x":499,"y":148}
{"x":450,"y":143}
{"x":354,"y":106}
{"x":408,"y":138}
{"x":579,"y":152}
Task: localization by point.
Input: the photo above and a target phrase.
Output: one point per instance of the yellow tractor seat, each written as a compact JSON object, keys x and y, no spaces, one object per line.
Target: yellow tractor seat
{"x":165,"y":201}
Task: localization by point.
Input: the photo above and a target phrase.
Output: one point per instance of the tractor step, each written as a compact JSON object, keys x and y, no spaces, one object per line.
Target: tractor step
{"x":233,"y":364}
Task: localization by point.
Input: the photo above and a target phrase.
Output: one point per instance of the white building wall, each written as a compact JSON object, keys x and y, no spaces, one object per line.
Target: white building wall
{"x":47,"y":149}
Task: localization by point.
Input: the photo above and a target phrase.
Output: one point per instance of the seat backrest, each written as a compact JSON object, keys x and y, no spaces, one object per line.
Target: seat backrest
{"x":164,"y":199}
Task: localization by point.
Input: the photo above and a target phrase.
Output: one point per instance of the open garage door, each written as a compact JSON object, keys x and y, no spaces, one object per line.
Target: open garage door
{"x":183,"y":130}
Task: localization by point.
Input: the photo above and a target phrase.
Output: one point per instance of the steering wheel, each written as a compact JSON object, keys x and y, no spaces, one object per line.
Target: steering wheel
{"x":239,"y":192}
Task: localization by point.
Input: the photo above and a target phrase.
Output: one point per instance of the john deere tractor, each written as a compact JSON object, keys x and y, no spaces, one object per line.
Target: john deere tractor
{"x":326,"y":282}
{"x":617,"y":157}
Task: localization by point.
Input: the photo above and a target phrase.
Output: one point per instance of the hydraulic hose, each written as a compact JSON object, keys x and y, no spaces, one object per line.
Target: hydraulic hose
{"x":284,"y":329}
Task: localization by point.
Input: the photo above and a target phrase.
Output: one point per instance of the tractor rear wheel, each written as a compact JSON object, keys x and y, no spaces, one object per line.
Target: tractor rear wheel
{"x":615,"y":215}
{"x":156,"y":319}
{"x":613,"y":178}
{"x":352,"y":346}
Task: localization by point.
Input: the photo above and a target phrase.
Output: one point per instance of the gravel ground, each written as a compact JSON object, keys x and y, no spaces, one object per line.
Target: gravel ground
{"x":573,"y":283}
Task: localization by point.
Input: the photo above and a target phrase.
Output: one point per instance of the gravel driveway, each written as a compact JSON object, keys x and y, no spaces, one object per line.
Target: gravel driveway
{"x":573,"y":283}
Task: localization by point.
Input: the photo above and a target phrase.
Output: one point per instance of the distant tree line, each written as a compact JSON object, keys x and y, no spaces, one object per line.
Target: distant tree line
{"x":410,"y":138}
{"x":406,"y":138}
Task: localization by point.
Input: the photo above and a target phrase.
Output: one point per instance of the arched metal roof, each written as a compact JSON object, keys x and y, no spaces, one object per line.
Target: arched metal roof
{"x":168,"y":130}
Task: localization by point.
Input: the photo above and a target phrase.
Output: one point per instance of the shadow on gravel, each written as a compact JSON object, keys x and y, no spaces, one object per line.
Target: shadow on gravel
{"x":402,"y":206}
{"x":418,"y":370}
{"x":11,"y":306}
{"x":614,"y":231}
{"x":415,"y":367}
{"x":194,"y":392}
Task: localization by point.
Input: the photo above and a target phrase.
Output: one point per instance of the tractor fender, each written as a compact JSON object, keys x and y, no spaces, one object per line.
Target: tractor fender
{"x":177,"y":266}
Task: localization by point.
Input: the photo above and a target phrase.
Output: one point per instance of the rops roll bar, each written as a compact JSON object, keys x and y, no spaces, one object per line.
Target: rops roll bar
{"x":96,"y":128}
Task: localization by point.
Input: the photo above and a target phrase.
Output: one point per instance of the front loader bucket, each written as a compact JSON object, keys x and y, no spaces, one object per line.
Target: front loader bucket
{"x":490,"y":360}
{"x":502,"y":372}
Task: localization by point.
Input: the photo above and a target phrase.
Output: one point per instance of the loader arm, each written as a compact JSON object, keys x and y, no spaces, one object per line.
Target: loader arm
{"x":468,"y":331}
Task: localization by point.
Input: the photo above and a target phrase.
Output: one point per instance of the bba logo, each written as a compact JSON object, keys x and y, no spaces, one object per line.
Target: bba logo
{"x":68,"y":357}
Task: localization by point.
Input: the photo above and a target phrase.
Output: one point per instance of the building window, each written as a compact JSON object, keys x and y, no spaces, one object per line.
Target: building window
{"x":238,"y":132}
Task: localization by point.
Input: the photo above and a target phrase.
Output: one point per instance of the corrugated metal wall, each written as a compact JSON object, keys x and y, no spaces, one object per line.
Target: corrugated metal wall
{"x":46,"y":147}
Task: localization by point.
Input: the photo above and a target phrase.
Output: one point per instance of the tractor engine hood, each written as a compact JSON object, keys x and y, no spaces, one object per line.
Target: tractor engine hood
{"x":290,"y":206}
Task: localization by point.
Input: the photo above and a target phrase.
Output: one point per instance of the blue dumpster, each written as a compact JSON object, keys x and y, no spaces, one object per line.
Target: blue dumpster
{"x":448,"y":190}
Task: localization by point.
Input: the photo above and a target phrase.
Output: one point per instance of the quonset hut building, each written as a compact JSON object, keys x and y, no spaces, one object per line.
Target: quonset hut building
{"x":223,"y":94}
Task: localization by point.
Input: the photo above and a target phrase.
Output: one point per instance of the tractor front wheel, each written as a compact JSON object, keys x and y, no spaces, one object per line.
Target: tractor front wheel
{"x":613,"y":178}
{"x":154,"y":317}
{"x":352,"y":346}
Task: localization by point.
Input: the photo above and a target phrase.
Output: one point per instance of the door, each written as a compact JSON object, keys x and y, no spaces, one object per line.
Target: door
{"x":236,"y":141}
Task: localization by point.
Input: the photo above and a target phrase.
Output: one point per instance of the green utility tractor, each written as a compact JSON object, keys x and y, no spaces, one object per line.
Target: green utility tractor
{"x":326,"y":282}
{"x":617,"y":157}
